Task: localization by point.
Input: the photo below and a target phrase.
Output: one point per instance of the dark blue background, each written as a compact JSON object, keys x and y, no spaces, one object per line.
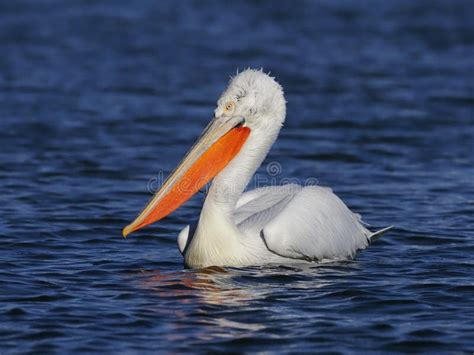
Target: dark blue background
{"x":96,"y":98}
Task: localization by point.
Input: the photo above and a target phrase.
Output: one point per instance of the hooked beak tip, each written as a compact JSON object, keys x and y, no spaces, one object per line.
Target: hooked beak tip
{"x":126,"y":231}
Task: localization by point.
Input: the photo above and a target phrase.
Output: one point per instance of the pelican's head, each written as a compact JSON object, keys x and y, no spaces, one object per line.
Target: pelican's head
{"x":256,"y":98}
{"x":253,"y":103}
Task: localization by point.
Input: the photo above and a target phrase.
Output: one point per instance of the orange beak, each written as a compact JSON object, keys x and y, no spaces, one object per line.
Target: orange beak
{"x":220,"y":142}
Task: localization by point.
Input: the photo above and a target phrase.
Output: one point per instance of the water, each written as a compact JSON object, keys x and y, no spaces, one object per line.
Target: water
{"x":96,"y":98}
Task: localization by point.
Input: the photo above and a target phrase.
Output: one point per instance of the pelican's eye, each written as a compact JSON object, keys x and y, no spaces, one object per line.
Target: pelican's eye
{"x":229,"y":107}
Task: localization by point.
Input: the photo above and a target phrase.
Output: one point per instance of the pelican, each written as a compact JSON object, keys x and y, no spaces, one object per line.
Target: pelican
{"x":275,"y":224}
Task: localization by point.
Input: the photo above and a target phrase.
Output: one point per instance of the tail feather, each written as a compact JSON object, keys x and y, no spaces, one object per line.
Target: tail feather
{"x":376,"y":235}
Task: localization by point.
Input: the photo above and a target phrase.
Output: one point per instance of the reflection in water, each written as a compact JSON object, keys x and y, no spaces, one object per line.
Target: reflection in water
{"x":220,"y":303}
{"x":212,"y":286}
{"x":204,"y":297}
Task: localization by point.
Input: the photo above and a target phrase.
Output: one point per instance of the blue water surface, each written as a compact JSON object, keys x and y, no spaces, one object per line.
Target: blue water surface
{"x":97,"y":98}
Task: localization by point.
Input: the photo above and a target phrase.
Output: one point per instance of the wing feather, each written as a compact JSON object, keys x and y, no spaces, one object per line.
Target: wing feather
{"x":315,"y":225}
{"x":256,"y":207}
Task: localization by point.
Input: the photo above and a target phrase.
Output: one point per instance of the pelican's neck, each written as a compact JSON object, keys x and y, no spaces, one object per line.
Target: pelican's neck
{"x":229,"y":184}
{"x":216,"y":239}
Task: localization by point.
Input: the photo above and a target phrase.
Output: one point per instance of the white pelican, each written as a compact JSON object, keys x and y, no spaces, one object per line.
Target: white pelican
{"x":275,"y":224}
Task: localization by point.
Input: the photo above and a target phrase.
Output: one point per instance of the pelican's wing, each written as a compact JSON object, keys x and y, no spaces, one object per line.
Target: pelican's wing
{"x":257,"y":207}
{"x":183,"y":237}
{"x":315,"y":225}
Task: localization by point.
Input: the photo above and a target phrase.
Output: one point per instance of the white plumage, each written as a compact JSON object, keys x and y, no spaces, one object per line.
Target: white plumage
{"x":275,"y":224}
